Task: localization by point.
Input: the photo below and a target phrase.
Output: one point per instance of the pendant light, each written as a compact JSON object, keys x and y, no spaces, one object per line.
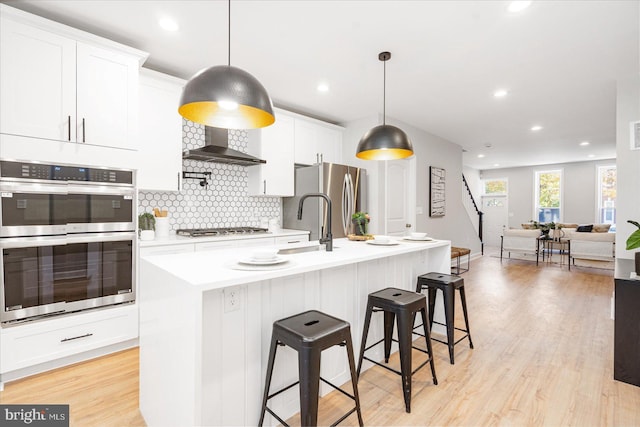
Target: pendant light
{"x":384,"y":142}
{"x":226,"y":97}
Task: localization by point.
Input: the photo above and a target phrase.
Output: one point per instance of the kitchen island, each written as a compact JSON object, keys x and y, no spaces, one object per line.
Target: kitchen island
{"x":205,"y":327}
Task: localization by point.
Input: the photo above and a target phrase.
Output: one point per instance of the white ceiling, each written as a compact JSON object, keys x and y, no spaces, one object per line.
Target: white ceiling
{"x":558,"y":59}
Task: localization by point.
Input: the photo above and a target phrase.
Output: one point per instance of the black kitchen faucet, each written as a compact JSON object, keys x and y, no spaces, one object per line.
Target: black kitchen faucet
{"x":328,"y":240}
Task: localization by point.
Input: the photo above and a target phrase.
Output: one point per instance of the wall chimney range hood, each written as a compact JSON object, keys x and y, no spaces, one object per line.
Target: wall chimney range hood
{"x":216,"y":150}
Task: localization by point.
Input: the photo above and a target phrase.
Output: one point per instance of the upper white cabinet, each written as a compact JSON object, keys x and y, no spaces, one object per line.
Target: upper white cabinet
{"x":160,"y":129}
{"x":317,"y":142}
{"x":62,"y":84}
{"x":275,"y":144}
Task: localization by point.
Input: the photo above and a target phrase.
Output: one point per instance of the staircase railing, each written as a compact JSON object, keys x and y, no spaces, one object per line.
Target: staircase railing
{"x":471,"y":206}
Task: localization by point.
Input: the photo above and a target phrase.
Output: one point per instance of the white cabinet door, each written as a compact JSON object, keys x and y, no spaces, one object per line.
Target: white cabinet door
{"x":275,"y":144}
{"x":305,"y":143}
{"x":169,"y":249}
{"x":316,"y":142}
{"x":292,"y":240}
{"x":107,"y":101}
{"x":37,"y":82}
{"x":160,"y":130}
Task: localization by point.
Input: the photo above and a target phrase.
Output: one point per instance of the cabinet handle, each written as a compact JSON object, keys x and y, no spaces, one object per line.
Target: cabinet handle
{"x":264,"y":187}
{"x":76,"y":338}
{"x":83,"y":130}
{"x":178,"y":181}
{"x":317,"y":159}
{"x":69,"y":128}
{"x":321,"y":158}
{"x":293,"y":241}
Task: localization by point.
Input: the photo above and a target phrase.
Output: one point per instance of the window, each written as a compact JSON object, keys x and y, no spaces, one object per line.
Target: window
{"x":548,"y":193}
{"x":606,"y":209}
{"x":495,"y":186}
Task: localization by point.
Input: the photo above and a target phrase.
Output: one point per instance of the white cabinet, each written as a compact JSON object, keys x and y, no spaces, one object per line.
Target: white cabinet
{"x":160,"y":130}
{"x":169,"y":249}
{"x":61,"y":84}
{"x":38,"y":342}
{"x":227,"y":244}
{"x":317,"y":142}
{"x":275,"y":144}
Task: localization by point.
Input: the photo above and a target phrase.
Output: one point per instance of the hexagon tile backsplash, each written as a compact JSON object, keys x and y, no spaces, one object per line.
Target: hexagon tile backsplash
{"x":223,"y":203}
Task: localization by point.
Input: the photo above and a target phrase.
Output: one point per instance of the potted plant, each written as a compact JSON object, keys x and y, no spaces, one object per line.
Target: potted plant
{"x":633,"y":242}
{"x":360,"y":221}
{"x":147,"y":226}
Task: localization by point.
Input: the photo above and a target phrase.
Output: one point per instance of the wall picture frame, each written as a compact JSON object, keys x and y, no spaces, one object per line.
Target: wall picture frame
{"x":436,"y":191}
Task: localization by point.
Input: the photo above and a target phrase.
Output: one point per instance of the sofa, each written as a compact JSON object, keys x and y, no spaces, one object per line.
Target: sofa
{"x":590,"y":242}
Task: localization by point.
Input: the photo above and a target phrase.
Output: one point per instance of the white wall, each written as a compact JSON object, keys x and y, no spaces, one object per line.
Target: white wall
{"x":429,"y":150}
{"x":579,"y":190}
{"x":627,"y":110}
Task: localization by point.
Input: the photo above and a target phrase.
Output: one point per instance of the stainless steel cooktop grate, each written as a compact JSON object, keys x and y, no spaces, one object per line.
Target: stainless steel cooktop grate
{"x":202,"y":232}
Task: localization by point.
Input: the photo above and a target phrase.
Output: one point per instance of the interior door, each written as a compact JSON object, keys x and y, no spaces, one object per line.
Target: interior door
{"x":399,"y":197}
{"x":496,"y":217}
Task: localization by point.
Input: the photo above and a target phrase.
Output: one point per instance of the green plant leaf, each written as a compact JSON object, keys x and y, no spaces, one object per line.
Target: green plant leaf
{"x":633,"y":242}
{"x":634,"y":223}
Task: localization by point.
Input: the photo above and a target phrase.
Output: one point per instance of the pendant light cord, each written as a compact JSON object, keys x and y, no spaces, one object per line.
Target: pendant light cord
{"x":229,"y":33}
{"x":384,"y":92}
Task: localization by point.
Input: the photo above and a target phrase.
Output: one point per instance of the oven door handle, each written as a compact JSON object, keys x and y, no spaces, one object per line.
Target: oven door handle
{"x":29,"y":187}
{"x":29,"y":242}
{"x":100,"y":237}
{"x":100,"y":190}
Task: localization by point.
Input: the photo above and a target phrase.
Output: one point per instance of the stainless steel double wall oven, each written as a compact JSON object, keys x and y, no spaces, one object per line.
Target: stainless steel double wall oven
{"x":67,"y":239}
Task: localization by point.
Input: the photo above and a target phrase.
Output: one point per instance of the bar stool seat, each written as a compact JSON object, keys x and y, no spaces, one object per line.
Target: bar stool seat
{"x":403,"y":305}
{"x":448,"y":284}
{"x":310,"y":333}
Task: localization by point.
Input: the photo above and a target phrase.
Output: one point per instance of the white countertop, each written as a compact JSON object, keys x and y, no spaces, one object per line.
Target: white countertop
{"x":210,"y":269}
{"x":174,"y":239}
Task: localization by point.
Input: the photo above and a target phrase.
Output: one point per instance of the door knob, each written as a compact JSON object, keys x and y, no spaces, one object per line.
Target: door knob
{"x":407,"y":225}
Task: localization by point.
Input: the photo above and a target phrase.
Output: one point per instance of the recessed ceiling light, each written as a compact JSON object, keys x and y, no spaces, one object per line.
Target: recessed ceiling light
{"x":323,"y":87}
{"x":536,"y":128}
{"x":518,"y":6}
{"x":584,"y":143}
{"x":480,"y":156}
{"x":495,"y":165}
{"x":500,"y":93}
{"x":591,"y":156}
{"x":168,"y":24}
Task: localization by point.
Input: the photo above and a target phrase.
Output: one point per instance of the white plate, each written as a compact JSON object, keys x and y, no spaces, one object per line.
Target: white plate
{"x":417,"y":239}
{"x":252,"y":261}
{"x":389,"y":243}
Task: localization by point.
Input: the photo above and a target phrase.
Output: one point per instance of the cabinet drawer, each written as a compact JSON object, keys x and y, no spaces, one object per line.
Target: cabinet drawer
{"x":28,"y":345}
{"x":291,"y":240}
{"x":167,"y":250}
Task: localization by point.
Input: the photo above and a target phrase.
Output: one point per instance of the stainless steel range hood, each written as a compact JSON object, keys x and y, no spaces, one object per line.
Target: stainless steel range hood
{"x":216,"y":150}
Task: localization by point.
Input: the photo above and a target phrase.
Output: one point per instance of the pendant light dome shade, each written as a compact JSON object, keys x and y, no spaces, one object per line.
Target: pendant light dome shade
{"x":384,"y":142}
{"x":226,"y":97}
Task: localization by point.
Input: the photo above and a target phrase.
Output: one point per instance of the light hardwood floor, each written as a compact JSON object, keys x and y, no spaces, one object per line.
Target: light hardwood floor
{"x":543,"y":355}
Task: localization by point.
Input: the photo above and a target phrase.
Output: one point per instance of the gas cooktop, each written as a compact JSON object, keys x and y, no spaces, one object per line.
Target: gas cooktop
{"x":202,"y":232}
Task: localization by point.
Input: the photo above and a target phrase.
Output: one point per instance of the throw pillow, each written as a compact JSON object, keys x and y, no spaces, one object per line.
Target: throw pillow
{"x":584,"y":228}
{"x":601,"y":228}
{"x":528,"y":226}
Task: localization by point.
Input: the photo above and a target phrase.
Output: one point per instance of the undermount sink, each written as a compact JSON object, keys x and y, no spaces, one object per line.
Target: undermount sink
{"x":301,"y":249}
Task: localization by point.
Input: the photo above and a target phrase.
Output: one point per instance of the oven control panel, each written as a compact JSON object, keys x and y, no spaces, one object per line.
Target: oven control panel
{"x":42,"y":171}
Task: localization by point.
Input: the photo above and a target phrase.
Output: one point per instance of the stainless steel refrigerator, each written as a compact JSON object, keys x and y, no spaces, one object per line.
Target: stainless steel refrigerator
{"x":345,"y":186}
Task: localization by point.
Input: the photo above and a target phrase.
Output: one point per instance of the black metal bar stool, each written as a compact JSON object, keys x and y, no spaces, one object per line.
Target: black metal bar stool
{"x":403,"y":305}
{"x":447,"y":283}
{"x":310,"y":333}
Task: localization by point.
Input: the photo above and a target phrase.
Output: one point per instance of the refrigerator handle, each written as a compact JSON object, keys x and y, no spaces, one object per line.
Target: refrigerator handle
{"x":352,"y":199}
{"x":345,"y":204}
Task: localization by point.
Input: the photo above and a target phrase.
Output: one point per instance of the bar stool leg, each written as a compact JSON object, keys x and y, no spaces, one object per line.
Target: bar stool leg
{"x":267,"y":384}
{"x":404,"y":341}
{"x":449,"y":314}
{"x":432,"y":305}
{"x":365,"y":332}
{"x":427,"y":337}
{"x":389,"y":319}
{"x":354,"y":378}
{"x":463,"y":300}
{"x":309,"y":374}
